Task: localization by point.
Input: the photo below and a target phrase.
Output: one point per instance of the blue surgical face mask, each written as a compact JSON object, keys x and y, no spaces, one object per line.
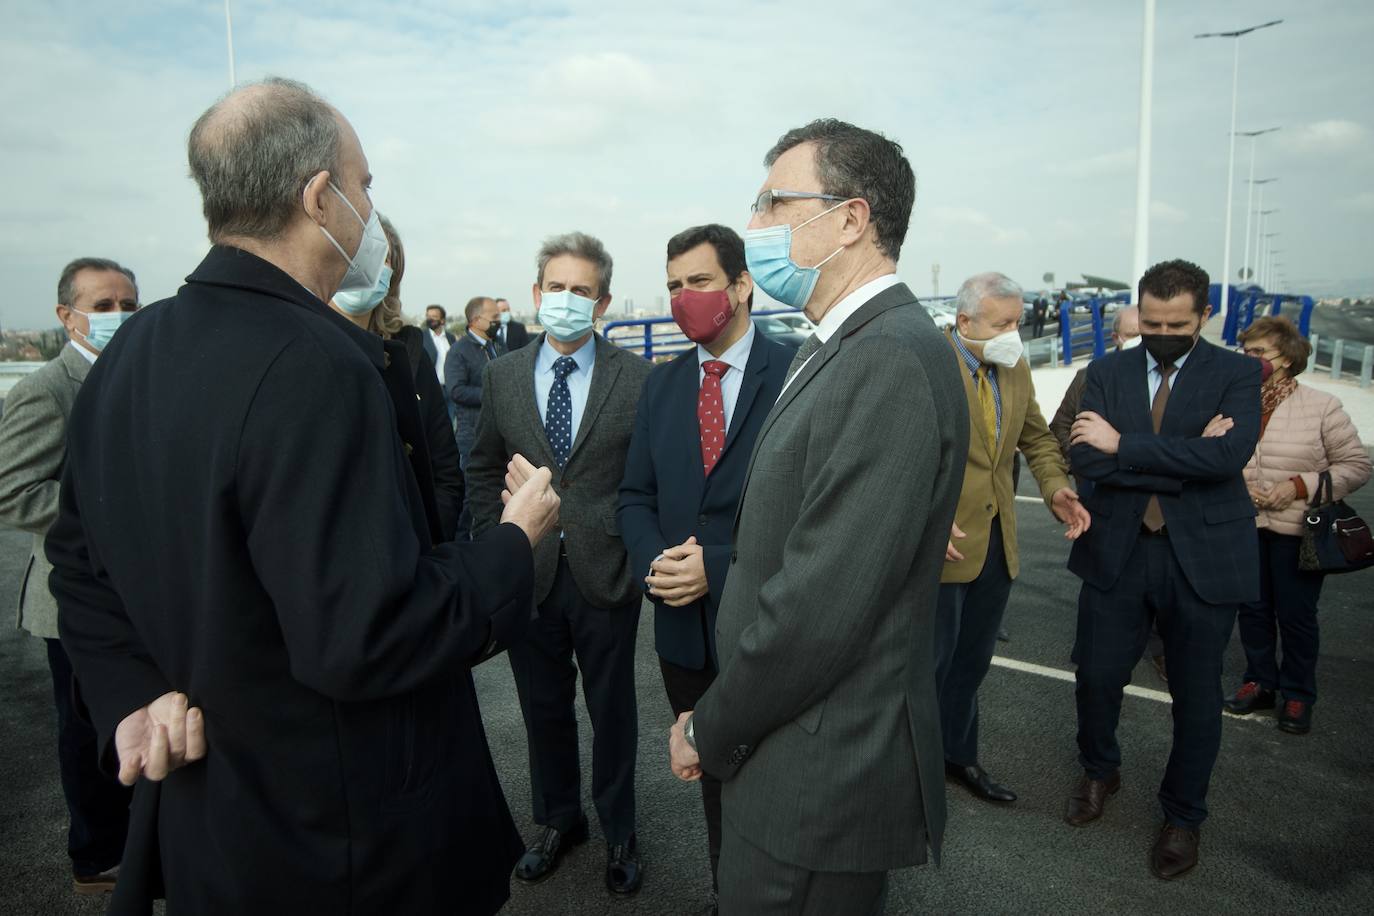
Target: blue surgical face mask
{"x":103,"y":326}
{"x":505,"y":318}
{"x":768,"y":253}
{"x":360,"y":302}
{"x":566,"y":316}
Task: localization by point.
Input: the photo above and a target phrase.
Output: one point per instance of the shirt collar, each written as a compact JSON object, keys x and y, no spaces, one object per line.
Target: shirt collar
{"x":1151,"y":364}
{"x":90,"y":357}
{"x":850,"y":304}
{"x":965,"y":353}
{"x":736,"y":357}
{"x":481,"y":341}
{"x":585,"y":356}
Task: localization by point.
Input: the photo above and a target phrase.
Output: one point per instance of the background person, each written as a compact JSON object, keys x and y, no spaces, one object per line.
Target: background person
{"x":379,"y":310}
{"x":1303,"y":432}
{"x":94,"y":297}
{"x":512,"y":335}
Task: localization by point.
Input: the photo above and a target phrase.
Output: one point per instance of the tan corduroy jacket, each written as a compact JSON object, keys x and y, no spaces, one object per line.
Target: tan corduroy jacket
{"x":1308,"y":433}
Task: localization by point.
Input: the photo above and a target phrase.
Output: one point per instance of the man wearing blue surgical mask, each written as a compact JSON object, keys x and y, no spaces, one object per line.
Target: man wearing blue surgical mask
{"x":826,"y":621}
{"x":568,"y":401}
{"x":94,"y":297}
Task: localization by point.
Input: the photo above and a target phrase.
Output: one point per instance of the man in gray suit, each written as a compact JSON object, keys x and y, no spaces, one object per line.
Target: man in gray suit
{"x":823,"y":723}
{"x":568,"y":402}
{"x":94,"y":296}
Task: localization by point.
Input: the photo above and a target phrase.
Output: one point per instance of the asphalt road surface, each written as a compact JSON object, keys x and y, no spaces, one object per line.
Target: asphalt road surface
{"x":1291,"y":827}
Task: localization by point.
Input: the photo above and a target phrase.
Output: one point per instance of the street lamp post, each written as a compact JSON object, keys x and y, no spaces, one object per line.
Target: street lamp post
{"x":1253,"y":184}
{"x":1259,"y":234}
{"x":1231,"y":151}
{"x":1268,"y":253}
{"x":1141,"y":251}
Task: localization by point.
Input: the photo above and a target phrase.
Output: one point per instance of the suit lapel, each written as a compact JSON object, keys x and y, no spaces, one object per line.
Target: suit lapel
{"x":77,"y":366}
{"x":1192,"y":373}
{"x":754,"y":372}
{"x":1137,"y":390}
{"x":524,"y":363}
{"x":975,"y":407}
{"x":1009,"y":385}
{"x":604,"y":373}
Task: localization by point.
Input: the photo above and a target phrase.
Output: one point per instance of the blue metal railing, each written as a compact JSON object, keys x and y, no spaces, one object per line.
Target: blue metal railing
{"x":655,"y":338}
{"x":1251,"y":304}
{"x":1082,"y":334}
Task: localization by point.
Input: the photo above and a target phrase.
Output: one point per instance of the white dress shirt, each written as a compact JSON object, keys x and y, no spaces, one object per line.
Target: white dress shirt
{"x":737,"y":358}
{"x":441,"y":346}
{"x":579,"y":382}
{"x":840,"y":312}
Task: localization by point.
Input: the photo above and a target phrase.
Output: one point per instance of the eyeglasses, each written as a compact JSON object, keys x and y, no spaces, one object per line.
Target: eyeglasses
{"x":764,"y":202}
{"x":1258,"y":351}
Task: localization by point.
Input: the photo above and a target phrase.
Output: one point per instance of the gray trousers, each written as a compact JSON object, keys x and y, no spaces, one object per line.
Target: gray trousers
{"x":753,"y":883}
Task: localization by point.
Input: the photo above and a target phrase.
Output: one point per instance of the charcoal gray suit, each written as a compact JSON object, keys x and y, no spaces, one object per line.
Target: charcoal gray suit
{"x":588,"y":601}
{"x":823,"y":722}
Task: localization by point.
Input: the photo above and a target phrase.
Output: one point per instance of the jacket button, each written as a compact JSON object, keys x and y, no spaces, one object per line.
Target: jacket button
{"x":410,"y":449}
{"x":565,"y":483}
{"x":703,"y":520}
{"x":386,"y":360}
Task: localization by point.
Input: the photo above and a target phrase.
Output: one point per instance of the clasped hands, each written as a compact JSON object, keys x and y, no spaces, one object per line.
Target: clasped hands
{"x":678,"y":575}
{"x":682,"y":757}
{"x":529,"y":499}
{"x":153,"y":741}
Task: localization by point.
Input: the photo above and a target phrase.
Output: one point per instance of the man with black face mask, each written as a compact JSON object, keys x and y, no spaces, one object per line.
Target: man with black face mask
{"x":1164,"y":432}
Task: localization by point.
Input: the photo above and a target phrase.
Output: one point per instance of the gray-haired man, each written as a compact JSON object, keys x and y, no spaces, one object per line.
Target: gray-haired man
{"x":94,"y":297}
{"x":568,"y":401}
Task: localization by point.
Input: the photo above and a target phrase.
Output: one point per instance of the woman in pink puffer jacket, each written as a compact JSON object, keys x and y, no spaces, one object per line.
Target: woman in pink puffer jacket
{"x":1302,"y":433}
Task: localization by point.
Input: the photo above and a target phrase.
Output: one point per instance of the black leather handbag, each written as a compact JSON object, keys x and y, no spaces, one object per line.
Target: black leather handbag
{"x":1334,"y":539}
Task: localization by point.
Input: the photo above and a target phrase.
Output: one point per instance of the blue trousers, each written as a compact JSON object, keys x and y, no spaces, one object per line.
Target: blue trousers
{"x":1287,"y":612}
{"x":968,"y":615}
{"x":97,"y":804}
{"x":1113,"y":625}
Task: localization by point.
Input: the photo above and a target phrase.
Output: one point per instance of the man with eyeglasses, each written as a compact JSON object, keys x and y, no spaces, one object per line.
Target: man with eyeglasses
{"x":822,"y":723}
{"x":94,"y":298}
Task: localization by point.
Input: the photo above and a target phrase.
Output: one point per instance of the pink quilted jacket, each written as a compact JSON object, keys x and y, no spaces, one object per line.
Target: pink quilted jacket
{"x":1308,"y":433}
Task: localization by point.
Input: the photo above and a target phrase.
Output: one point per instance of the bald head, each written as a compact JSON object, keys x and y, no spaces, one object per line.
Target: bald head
{"x":253,"y":151}
{"x":1126,"y":324}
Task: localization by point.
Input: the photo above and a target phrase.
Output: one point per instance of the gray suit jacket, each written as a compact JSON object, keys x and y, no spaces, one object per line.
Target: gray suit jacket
{"x":33,"y":448}
{"x":589,"y":483}
{"x":823,"y":722}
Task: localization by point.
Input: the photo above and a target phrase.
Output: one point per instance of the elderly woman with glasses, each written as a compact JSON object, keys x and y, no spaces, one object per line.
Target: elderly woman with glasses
{"x":1303,"y":433}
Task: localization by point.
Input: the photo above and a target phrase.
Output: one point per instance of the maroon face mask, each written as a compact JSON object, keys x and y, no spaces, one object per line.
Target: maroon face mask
{"x":1266,"y":368}
{"x":702,"y":315}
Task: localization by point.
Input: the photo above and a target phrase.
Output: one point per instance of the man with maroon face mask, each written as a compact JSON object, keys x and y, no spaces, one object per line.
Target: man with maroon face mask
{"x":694,"y":432}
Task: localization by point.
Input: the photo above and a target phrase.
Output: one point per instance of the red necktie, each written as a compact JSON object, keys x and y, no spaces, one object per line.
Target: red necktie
{"x":711,"y":413}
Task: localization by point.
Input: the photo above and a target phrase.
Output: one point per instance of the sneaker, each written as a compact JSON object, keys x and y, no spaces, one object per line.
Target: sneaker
{"x":102,"y":883}
{"x":1295,"y":717}
{"x":1249,"y":698}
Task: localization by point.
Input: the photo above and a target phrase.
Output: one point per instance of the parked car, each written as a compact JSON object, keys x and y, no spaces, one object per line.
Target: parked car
{"x":770,"y":326}
{"x":796,"y":321}
{"x":942,"y":313}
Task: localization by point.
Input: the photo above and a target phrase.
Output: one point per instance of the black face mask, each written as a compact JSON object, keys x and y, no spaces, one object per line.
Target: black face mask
{"x":1167,"y":348}
{"x":435,"y":323}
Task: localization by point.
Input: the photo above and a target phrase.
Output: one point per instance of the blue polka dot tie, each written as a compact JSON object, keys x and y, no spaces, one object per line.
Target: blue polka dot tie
{"x":558,"y":421}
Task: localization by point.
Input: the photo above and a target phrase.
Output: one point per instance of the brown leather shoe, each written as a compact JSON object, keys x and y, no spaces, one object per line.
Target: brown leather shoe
{"x":1174,"y":853}
{"x":1088,"y":799}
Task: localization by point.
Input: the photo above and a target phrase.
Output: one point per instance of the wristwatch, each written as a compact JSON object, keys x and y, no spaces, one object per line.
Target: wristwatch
{"x":689,"y":732}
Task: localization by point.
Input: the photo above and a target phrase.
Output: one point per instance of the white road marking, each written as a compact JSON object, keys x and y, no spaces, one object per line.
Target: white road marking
{"x":1145,"y":693}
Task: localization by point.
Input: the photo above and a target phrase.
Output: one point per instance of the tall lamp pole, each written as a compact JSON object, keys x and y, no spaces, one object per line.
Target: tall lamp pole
{"x":1231,"y":151}
{"x":1141,"y":253}
{"x":1268,"y":255}
{"x":1260,"y":183}
{"x":1254,"y":136}
{"x":229,"y":39}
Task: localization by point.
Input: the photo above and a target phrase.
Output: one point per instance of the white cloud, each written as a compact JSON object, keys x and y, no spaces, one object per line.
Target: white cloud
{"x":1358,"y":203}
{"x":985,"y":229}
{"x":1167,"y":213}
{"x":1335,"y":136}
{"x":1115,"y":162}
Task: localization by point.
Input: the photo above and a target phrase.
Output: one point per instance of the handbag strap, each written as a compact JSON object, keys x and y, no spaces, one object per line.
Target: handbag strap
{"x":1325,"y":494}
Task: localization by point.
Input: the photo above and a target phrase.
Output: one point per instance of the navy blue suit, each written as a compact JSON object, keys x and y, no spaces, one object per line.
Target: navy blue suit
{"x":666,"y":496}
{"x":1189,"y":579}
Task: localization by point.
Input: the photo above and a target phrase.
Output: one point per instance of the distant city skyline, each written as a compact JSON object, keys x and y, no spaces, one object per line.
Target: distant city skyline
{"x":489,"y":129}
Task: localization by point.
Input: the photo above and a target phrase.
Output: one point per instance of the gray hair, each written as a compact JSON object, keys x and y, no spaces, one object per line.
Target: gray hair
{"x":855,"y":163}
{"x":990,"y":285}
{"x":1121,"y":313}
{"x":253,"y":151}
{"x":579,"y":245}
{"x":66,"y":284}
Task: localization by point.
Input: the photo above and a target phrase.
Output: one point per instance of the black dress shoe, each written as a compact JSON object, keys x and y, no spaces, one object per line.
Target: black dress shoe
{"x":1174,"y":852}
{"x":1089,"y":798}
{"x":1249,"y":698}
{"x":543,"y":856}
{"x":624,"y":874}
{"x":1295,"y":717}
{"x":979,"y":783}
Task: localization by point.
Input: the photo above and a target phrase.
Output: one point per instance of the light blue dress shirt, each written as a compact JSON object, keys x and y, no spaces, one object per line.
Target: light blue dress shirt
{"x":579,"y":382}
{"x":737,"y":358}
{"x":1153,"y":377}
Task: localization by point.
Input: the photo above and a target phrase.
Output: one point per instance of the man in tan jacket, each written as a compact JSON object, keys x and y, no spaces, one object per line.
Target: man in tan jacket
{"x":978,"y":573}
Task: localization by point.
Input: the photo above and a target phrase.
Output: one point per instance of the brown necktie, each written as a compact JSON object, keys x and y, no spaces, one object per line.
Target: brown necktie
{"x":1154,"y":516}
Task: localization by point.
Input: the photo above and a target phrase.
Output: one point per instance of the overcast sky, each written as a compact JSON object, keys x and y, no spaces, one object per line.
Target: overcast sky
{"x":492,"y":125}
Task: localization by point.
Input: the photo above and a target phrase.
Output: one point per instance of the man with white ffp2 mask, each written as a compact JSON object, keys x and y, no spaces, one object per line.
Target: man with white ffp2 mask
{"x":979,"y":569}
